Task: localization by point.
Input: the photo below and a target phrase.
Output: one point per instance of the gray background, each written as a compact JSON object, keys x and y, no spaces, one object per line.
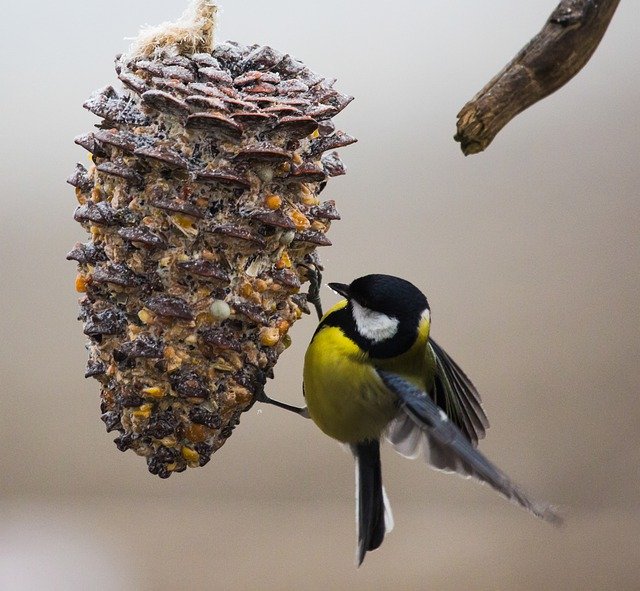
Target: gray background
{"x":529,"y":254}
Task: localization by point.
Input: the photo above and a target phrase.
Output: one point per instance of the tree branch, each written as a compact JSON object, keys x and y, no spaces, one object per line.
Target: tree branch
{"x":554,"y":56}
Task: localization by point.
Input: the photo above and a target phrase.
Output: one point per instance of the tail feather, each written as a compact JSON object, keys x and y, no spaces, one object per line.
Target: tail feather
{"x":371,"y":505}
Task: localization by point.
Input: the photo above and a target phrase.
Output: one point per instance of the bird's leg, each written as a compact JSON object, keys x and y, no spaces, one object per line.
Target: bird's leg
{"x":262,"y":397}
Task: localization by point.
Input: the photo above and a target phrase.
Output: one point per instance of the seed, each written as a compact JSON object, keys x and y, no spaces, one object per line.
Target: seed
{"x":284,"y":261}
{"x":297,"y":159}
{"x":300,"y":220}
{"x":183,"y":221}
{"x":261,"y":285}
{"x":273,"y":201}
{"x":154,"y":392}
{"x":310,"y":200}
{"x":189,"y":454}
{"x":144,"y":411}
{"x":283,"y":326}
{"x":145,"y":316}
{"x":246,"y":290}
{"x":196,"y":433}
{"x":81,"y":283}
{"x":269,"y":336}
{"x":220,"y":310}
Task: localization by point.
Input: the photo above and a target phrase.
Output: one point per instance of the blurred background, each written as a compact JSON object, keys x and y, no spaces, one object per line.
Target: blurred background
{"x":529,"y":254}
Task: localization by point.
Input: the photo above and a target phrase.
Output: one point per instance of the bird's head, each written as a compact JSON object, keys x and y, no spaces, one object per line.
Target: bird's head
{"x":386,"y":312}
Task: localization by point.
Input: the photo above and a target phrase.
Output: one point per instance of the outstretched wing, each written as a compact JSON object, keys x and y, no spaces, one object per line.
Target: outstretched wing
{"x":454,"y":393}
{"x":443,"y":435}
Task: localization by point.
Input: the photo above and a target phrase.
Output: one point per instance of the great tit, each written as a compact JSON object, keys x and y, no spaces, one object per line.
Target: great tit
{"x":372,"y":371}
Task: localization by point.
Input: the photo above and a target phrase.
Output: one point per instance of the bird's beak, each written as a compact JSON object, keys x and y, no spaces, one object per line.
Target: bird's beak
{"x":340,"y":288}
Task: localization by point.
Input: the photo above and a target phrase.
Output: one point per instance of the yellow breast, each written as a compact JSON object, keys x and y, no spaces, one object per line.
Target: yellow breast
{"x":343,"y":392}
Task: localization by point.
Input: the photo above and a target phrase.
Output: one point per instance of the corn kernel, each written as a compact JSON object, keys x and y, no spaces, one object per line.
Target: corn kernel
{"x":189,"y":454}
{"x":284,"y":262}
{"x":273,"y":201}
{"x":153,"y":391}
{"x":283,"y":326}
{"x":269,"y":336}
{"x":145,"y":316}
{"x":81,"y":283}
{"x":300,"y":220}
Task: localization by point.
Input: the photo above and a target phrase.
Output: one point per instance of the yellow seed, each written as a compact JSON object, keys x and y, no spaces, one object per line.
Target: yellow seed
{"x":300,"y":220}
{"x":144,"y":412}
{"x":285,"y":167}
{"x":284,"y":262}
{"x":81,"y":283}
{"x":183,"y":221}
{"x":304,"y":188}
{"x":310,"y":199}
{"x":154,"y":391}
{"x":297,"y":159}
{"x":189,"y":454}
{"x":246,"y":290}
{"x":315,"y":134}
{"x":145,"y":316}
{"x":273,"y":201}
{"x":318,"y":226}
{"x":269,"y":336}
{"x":95,"y":231}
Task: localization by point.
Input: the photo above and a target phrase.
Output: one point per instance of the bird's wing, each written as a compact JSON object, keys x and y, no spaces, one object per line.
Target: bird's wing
{"x":454,"y":393}
{"x":454,"y":446}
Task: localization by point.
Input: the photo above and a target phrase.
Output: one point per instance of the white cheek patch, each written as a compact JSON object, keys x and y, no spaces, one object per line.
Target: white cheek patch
{"x":372,"y":325}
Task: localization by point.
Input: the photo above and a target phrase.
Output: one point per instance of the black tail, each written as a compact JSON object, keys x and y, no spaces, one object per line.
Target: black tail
{"x":370,"y":498}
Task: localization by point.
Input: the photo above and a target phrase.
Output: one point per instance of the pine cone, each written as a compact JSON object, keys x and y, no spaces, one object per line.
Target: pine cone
{"x":203,"y":213}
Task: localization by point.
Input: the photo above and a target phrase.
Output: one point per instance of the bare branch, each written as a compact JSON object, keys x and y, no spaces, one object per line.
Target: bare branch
{"x":554,"y":56}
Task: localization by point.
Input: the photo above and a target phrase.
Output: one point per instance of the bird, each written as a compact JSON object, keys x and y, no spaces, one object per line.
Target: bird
{"x":372,"y":372}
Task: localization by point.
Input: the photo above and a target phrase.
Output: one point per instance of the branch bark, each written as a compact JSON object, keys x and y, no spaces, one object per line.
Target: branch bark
{"x":554,"y":56}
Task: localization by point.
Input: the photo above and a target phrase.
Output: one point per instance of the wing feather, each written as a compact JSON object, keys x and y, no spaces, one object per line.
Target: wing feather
{"x":450,"y":448}
{"x":462,"y":402}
